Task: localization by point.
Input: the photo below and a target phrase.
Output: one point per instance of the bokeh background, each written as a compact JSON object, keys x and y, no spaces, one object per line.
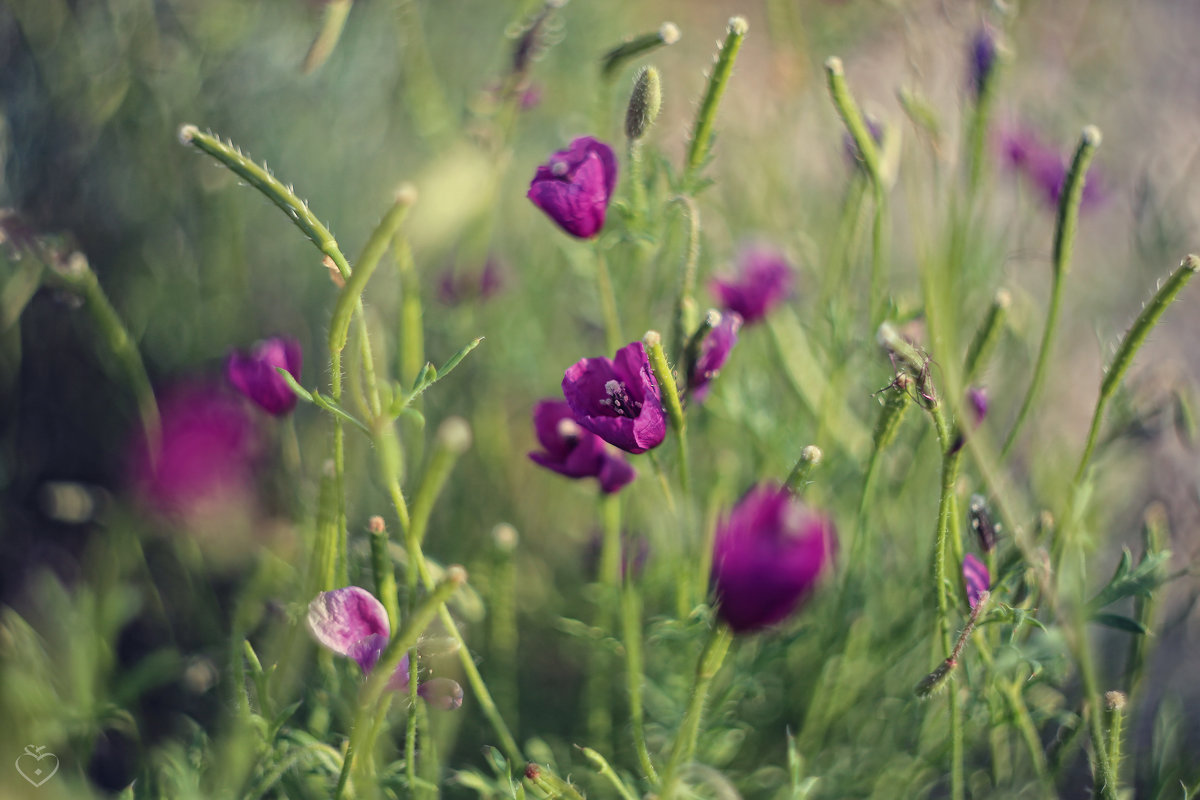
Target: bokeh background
{"x":92,"y":94}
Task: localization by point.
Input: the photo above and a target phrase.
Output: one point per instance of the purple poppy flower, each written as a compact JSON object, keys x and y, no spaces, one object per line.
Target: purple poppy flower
{"x":254,"y":374}
{"x":351,"y":622}
{"x":1023,"y":153}
{"x":976,"y":578}
{"x":618,"y":399}
{"x":767,"y":557}
{"x":206,"y":456}
{"x":714,"y":352}
{"x":764,"y":279}
{"x":981,"y":58}
{"x":574,"y":452}
{"x":574,"y":187}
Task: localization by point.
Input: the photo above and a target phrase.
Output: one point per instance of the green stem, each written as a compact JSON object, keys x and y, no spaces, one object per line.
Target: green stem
{"x":1104,"y":777}
{"x":878,"y":301}
{"x":341,"y":546}
{"x":616,"y":58}
{"x":1064,"y":239}
{"x":608,"y":304}
{"x":637,"y":188}
{"x":601,"y":765}
{"x":334,"y":21}
{"x":271,"y":188}
{"x":719,"y":639}
{"x":810,"y":457}
{"x":701,"y":141}
{"x":632,"y":634}
{"x":670,"y":399}
{"x":986,"y":336}
{"x":599,"y":686}
{"x":1129,"y":346}
{"x":685,"y":305}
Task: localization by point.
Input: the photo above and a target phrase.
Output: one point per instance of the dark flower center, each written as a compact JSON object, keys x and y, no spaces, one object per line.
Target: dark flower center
{"x":619,"y":400}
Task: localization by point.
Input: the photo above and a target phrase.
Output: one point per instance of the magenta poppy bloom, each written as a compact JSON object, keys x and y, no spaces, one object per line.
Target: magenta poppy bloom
{"x":714,"y":352}
{"x":763,"y":281}
{"x":618,"y":399}
{"x":575,"y":185}
{"x":767,"y":557}
{"x":255,"y":374}
{"x":351,"y":622}
{"x":574,"y":452}
{"x":975,"y":578}
{"x":207,"y":454}
{"x":1023,"y":153}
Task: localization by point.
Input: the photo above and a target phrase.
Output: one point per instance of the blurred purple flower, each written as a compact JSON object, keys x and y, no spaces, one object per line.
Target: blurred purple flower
{"x":767,"y":557}
{"x":976,"y":578}
{"x":454,"y":288}
{"x":618,"y":399}
{"x":714,"y":352}
{"x":574,"y":452}
{"x":1022,"y":152}
{"x":977,"y":407}
{"x":764,"y":279}
{"x":854,"y":156}
{"x":981,"y":57}
{"x":574,"y":187}
{"x":256,"y":376}
{"x":206,"y":457}
{"x":351,"y":622}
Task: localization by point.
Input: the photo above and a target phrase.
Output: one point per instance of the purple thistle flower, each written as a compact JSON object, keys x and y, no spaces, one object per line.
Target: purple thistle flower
{"x":575,"y":185}
{"x":254,"y":374}
{"x":574,"y":452}
{"x":351,"y":622}
{"x":206,"y":458}
{"x":618,"y":399}
{"x":1023,"y":153}
{"x":976,"y":578}
{"x":714,"y":352}
{"x":764,"y":279}
{"x":767,"y":557}
{"x":981,"y":57}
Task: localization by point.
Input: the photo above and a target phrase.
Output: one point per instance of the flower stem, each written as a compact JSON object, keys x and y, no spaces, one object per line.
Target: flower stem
{"x":810,"y":457}
{"x":1064,"y":239}
{"x":685,"y":306}
{"x":608,"y":303}
{"x":631,"y":612}
{"x":701,"y":141}
{"x":670,"y":398}
{"x":719,"y":639}
{"x":1129,"y":346}
{"x":601,"y":765}
{"x":599,"y":681}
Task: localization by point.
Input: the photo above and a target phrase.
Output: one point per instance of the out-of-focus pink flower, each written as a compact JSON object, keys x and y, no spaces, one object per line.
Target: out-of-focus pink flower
{"x":764,"y":279}
{"x":767,"y":557}
{"x":618,"y":399}
{"x":1024,"y":153}
{"x":256,"y":374}
{"x":206,"y":458}
{"x":976,"y":578}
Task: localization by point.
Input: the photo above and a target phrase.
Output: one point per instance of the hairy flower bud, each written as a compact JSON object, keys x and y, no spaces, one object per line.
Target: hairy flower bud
{"x":644,"y":103}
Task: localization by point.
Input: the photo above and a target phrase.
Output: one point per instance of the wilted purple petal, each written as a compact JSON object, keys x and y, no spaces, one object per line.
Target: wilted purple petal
{"x":764,"y":279}
{"x":714,"y":352}
{"x":767,"y":556}
{"x":575,"y":186}
{"x":618,"y":399}
{"x":976,"y":578}
{"x":255,"y":374}
{"x":441,"y":693}
{"x":350,"y":622}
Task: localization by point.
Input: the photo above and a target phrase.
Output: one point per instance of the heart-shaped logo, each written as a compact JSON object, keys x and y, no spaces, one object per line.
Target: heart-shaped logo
{"x":34,"y":767}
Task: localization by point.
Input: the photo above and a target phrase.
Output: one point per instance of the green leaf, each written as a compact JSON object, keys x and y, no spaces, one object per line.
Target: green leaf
{"x":497,"y":761}
{"x":1120,"y":623}
{"x":429,"y":375}
{"x":296,"y":388}
{"x":333,"y":408}
{"x":1128,"y":580}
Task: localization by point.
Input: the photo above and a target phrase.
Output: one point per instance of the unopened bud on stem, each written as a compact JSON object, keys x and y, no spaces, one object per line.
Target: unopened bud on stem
{"x":644,"y":103}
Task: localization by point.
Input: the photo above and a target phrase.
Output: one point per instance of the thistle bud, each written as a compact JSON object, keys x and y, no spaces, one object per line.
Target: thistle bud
{"x":644,"y":103}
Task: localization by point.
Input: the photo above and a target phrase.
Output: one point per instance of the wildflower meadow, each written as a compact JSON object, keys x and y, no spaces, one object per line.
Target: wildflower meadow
{"x":544,"y":399}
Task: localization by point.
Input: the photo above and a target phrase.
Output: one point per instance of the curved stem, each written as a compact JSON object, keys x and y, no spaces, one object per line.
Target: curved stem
{"x":710,"y":661}
{"x":634,"y":674}
{"x":608,"y":304}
